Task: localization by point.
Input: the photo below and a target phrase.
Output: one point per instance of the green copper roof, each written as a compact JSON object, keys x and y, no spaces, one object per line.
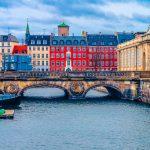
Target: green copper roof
{"x":63,"y":24}
{"x":27,"y":29}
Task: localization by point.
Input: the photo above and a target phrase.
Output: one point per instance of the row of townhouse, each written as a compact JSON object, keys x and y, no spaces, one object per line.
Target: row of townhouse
{"x":74,"y":53}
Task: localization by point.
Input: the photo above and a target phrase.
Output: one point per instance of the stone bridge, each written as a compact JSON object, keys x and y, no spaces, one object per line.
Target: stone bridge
{"x":76,"y":85}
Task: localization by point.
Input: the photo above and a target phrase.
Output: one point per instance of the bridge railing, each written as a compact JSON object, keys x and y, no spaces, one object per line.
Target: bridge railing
{"x":68,"y":75}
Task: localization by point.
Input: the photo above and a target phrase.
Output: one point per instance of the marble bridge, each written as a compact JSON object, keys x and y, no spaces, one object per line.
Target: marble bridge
{"x":125,"y":85}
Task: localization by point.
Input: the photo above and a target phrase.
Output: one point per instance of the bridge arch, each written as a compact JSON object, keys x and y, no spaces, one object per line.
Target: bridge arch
{"x":112,"y":90}
{"x":21,"y":92}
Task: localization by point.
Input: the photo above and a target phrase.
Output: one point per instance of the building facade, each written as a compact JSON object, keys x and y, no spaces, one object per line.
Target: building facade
{"x":38,"y":47}
{"x":63,"y":29}
{"x":134,"y":55}
{"x":94,"y":52}
{"x":7,"y":43}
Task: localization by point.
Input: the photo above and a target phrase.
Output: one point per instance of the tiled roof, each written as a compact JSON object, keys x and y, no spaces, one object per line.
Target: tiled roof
{"x":8,"y":38}
{"x":101,"y":40}
{"x":68,"y":40}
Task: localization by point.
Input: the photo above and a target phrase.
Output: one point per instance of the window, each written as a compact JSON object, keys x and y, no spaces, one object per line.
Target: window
{"x":38,"y":56}
{"x":47,"y":48}
{"x":32,"y":42}
{"x":62,"y":49}
{"x":2,"y":50}
{"x":74,"y":49}
{"x":46,"y":63}
{"x":42,"y":55}
{"x":61,"y":42}
{"x":84,"y":55}
{"x":34,"y":48}
{"x":38,"y":41}
{"x":52,"y":63}
{"x":54,"y":42}
{"x":38,"y":48}
{"x":68,"y":42}
{"x":34,"y":55}
{"x":52,"y":49}
{"x":75,"y":42}
{"x":42,"y":48}
{"x":34,"y":63}
{"x":79,"y":55}
{"x":62,"y":63}
{"x":68,"y":48}
{"x":45,"y":42}
{"x":57,"y":55}
{"x":83,"y":63}
{"x":74,"y":55}
{"x":83,"y":49}
{"x":74,"y":62}
{"x":46,"y":55}
{"x":62,"y":55}
{"x":30,"y":48}
{"x":90,"y":56}
{"x":52,"y":55}
{"x":82,"y":42}
{"x":42,"y":63}
{"x":8,"y":50}
{"x":38,"y":63}
{"x":58,"y":63}
{"x":79,"y":63}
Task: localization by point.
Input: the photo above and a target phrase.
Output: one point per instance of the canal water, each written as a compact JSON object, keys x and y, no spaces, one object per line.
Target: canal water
{"x":42,"y":124}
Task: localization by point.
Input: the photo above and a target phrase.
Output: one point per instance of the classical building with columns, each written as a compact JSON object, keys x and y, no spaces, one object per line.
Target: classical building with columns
{"x":134,"y":55}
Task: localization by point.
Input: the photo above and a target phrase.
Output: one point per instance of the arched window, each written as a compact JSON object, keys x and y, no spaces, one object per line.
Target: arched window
{"x":82,"y":42}
{"x":75,"y":42}
{"x":54,"y":42}
{"x":68,"y":42}
{"x":61,"y":42}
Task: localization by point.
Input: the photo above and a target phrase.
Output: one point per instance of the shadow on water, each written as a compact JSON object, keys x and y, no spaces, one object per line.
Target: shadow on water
{"x":61,"y":100}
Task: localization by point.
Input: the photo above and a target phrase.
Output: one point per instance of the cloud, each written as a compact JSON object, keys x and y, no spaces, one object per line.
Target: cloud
{"x":122,"y":9}
{"x":90,"y":15}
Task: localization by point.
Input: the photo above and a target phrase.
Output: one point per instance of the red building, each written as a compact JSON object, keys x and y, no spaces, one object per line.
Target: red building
{"x":102,"y":58}
{"x":74,"y":58}
{"x":20,"y":49}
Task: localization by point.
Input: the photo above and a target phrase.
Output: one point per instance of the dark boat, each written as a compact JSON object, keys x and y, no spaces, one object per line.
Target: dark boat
{"x":8,"y":100}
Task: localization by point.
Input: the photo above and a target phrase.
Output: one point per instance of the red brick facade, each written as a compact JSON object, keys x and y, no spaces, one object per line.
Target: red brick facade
{"x":83,"y":58}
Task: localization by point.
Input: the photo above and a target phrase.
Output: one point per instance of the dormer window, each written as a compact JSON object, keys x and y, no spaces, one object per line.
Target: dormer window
{"x":45,"y":42}
{"x":38,"y":41}
{"x":32,"y":42}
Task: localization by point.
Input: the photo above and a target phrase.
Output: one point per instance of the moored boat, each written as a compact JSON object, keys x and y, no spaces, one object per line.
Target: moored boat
{"x":7,"y":100}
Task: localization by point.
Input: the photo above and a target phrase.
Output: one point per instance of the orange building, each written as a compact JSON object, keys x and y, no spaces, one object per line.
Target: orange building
{"x":63,"y":29}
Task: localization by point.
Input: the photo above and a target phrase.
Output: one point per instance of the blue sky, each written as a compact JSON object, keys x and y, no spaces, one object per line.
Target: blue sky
{"x":93,"y":16}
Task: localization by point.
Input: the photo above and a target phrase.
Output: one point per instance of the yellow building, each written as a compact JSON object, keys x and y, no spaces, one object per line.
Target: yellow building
{"x":7,"y":43}
{"x":134,"y":55}
{"x":40,"y":57}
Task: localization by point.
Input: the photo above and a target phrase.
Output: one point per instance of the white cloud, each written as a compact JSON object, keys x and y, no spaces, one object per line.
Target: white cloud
{"x":122,"y":9}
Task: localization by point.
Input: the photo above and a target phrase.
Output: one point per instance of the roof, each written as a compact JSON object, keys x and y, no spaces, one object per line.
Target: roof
{"x":20,"y":49}
{"x":63,"y":24}
{"x":123,"y":37}
{"x":101,"y":40}
{"x":38,"y":40}
{"x":68,"y":40}
{"x":8,"y":38}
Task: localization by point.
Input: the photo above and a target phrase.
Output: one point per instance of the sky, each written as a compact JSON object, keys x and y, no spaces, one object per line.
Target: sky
{"x":93,"y":16}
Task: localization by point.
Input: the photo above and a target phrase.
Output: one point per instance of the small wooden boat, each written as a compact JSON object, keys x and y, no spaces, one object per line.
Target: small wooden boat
{"x":7,"y":100}
{"x":8,"y":114}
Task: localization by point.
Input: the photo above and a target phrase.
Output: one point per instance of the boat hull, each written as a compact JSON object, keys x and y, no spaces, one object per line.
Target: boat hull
{"x":10,"y":102}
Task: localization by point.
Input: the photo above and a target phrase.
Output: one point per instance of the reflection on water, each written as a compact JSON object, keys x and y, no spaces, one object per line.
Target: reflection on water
{"x":77,"y":125}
